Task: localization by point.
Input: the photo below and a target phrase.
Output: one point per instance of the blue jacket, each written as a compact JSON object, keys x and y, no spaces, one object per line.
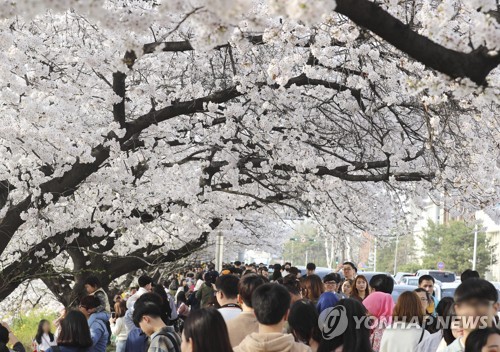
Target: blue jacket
{"x":99,"y":333}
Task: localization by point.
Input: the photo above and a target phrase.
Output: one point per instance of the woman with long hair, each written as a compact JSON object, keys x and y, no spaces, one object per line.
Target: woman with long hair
{"x":205,"y":330}
{"x":360,"y":289}
{"x":303,"y":322}
{"x":446,"y":333}
{"x":356,"y":337}
{"x":182,"y":307}
{"x":347,"y":287}
{"x":380,"y":307}
{"x":74,"y":335}
{"x":277,"y":272}
{"x":44,"y":338}
{"x":406,"y":330}
{"x":118,"y":328}
{"x":312,"y":288}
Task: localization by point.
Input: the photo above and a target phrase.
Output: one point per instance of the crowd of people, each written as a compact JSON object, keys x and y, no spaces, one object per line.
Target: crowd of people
{"x":244,"y":309}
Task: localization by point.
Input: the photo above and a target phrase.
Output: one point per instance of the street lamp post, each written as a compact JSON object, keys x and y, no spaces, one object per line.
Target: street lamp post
{"x":474,"y":255}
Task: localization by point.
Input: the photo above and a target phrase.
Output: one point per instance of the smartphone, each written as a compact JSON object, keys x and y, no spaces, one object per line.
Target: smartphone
{"x":113,"y":315}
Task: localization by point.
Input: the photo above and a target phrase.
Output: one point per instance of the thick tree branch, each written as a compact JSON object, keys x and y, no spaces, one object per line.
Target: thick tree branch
{"x":475,"y":65}
{"x":119,"y":89}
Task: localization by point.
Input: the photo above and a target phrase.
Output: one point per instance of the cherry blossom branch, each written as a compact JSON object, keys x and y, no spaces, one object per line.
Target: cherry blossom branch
{"x":475,"y":65}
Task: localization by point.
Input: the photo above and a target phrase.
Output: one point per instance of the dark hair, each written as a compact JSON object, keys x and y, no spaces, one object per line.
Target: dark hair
{"x":292,"y":284}
{"x":313,"y":286}
{"x":426,"y":278}
{"x":355,"y":293}
{"x":238,"y":263}
{"x":165,"y":302}
{"x":332,"y":277}
{"x":152,"y":297}
{"x":120,"y":309}
{"x":144,"y":280}
{"x":270,"y":303}
{"x":89,"y":302}
{"x":444,"y":305}
{"x":210,"y":277}
{"x":303,"y":319}
{"x":40,"y":332}
{"x":427,"y":295}
{"x":478,"y":289}
{"x":228,"y":285}
{"x":247,"y":286}
{"x":4,"y":335}
{"x":469,"y":274}
{"x":207,"y":330}
{"x":148,"y":308}
{"x":311,"y":266}
{"x":293,"y":270}
{"x":277,"y":272}
{"x":352,"y":265}
{"x":75,"y":331}
{"x":92,"y":281}
{"x":354,"y":339}
{"x":181,"y":297}
{"x":287,"y":263}
{"x":382,"y":283}
{"x":445,"y":311}
{"x":478,"y":338}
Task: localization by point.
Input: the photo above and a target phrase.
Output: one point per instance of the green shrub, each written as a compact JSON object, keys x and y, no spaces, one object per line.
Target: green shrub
{"x":25,"y":325}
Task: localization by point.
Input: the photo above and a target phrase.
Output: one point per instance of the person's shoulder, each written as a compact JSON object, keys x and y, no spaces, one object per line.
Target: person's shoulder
{"x":455,"y":346}
{"x":300,"y":347}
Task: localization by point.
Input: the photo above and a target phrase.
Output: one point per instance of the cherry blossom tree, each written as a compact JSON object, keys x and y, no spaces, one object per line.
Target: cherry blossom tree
{"x":134,"y":130}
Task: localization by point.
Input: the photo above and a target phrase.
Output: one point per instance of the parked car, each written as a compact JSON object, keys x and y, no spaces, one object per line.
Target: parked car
{"x":409,"y":280}
{"x":443,"y":276}
{"x":400,"y":275}
{"x":399,"y":289}
{"x":447,"y":289}
{"x":370,"y":274}
{"x":320,"y":271}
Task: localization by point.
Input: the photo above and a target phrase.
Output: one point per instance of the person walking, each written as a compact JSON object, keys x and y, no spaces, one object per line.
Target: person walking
{"x":205,"y":330}
{"x":74,"y":335}
{"x":312,"y":288}
{"x":406,"y":330}
{"x":118,"y":328}
{"x":98,"y":330}
{"x":356,"y":337}
{"x":360,"y":290}
{"x":150,"y":317}
{"x":380,"y":307}
{"x":271,"y":304}
{"x":303,"y":322}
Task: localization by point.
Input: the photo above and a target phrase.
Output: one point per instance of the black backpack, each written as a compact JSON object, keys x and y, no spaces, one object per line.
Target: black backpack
{"x":172,"y":339}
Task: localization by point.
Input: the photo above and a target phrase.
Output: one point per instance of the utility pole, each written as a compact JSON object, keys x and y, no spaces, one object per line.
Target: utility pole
{"x":396,"y":254}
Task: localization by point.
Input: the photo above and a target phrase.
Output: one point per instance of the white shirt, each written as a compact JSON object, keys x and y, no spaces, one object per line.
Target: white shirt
{"x":46,"y":343}
{"x":119,"y":329}
{"x":132,"y":299}
{"x":229,"y":313}
{"x":399,"y":337}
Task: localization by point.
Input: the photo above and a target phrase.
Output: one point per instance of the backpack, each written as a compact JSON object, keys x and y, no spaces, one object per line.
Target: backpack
{"x":172,"y":339}
{"x":137,"y":341}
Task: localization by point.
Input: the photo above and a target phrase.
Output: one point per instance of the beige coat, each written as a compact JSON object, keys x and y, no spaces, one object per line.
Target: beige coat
{"x":242,"y":326}
{"x":272,"y":342}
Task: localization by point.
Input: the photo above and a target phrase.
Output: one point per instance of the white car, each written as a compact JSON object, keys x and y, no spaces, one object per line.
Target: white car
{"x":409,"y":280}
